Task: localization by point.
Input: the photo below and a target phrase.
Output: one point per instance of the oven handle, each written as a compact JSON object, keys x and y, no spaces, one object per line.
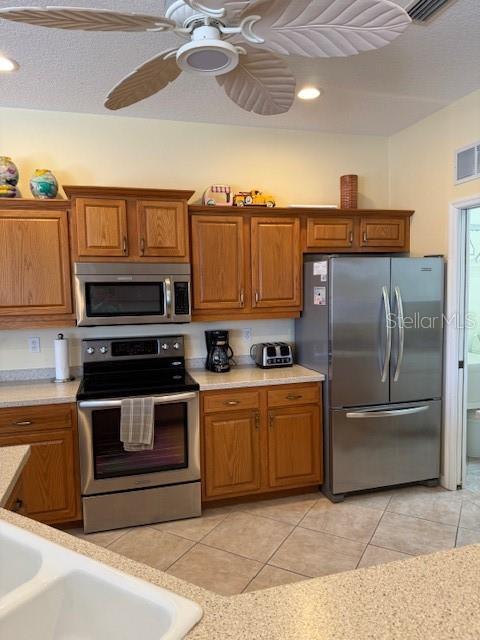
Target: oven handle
{"x":111,"y":404}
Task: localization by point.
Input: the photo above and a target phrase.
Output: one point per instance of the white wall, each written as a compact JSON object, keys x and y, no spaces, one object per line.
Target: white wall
{"x":298,"y":167}
{"x":14,"y":352}
{"x":421,"y":161}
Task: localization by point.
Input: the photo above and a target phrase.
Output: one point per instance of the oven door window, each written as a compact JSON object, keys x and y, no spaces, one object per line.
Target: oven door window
{"x":111,"y":299}
{"x":170,"y":447}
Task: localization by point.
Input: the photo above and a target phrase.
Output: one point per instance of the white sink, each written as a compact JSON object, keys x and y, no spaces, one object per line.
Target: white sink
{"x":50,"y":593}
{"x":19,"y":563}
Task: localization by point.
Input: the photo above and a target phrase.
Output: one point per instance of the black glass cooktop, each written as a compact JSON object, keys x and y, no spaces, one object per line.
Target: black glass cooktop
{"x":110,"y":384}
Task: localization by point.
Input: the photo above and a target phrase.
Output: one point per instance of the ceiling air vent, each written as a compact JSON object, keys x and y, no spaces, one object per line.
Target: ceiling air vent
{"x":422,"y":10}
{"x":467,"y":163}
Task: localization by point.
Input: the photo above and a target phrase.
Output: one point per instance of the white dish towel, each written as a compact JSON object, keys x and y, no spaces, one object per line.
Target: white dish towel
{"x":137,"y":424}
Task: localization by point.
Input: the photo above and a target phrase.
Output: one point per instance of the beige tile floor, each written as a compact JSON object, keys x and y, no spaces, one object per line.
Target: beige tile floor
{"x":255,"y":546}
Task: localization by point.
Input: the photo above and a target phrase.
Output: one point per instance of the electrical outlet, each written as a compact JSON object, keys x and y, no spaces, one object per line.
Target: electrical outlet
{"x":247,"y":334}
{"x":34,"y":345}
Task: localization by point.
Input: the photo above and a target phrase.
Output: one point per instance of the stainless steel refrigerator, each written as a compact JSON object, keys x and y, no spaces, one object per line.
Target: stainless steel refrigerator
{"x":374,"y":326}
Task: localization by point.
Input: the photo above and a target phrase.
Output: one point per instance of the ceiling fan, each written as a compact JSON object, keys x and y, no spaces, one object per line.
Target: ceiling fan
{"x":236,"y":41}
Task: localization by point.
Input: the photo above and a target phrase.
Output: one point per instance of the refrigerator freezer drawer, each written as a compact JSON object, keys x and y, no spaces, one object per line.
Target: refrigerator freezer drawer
{"x":384,"y":445}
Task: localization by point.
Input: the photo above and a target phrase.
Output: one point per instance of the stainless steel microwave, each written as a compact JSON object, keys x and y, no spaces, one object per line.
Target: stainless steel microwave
{"x":109,"y":293}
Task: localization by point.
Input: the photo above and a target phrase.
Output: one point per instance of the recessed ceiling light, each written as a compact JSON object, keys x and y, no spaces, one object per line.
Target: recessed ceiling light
{"x":309,"y":93}
{"x":7,"y":64}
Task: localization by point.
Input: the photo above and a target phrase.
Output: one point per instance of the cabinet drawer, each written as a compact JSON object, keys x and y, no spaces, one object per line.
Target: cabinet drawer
{"x":294,"y":395}
{"x":230,"y":401}
{"x":29,"y":419}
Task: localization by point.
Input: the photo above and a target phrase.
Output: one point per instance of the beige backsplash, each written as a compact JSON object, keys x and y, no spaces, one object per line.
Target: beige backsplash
{"x":14,"y":353}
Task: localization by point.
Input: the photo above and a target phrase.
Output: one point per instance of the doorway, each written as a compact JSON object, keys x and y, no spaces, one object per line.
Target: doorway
{"x":461,"y":442}
{"x":471,"y":461}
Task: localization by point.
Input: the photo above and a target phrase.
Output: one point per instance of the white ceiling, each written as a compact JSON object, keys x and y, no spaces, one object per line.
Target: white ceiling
{"x":378,"y":92}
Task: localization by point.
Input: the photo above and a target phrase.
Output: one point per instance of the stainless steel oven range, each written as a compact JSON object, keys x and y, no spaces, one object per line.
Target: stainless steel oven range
{"x":120,"y":488}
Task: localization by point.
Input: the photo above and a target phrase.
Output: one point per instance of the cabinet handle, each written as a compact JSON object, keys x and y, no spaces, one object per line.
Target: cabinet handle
{"x":232,"y":403}
{"x":270,"y":420}
{"x":350,"y":237}
{"x":124,"y":245}
{"x":257,"y":420}
{"x":365,"y":237}
{"x":17,"y":506}
{"x":257,"y":296}
{"x":242,"y":298}
{"x":294,"y":397}
{"x":23,"y":423}
{"x":142,"y":246}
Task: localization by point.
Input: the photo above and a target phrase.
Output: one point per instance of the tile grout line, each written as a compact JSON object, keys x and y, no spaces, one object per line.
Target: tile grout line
{"x":458,"y":525}
{"x":295,"y":527}
{"x":373,"y":534}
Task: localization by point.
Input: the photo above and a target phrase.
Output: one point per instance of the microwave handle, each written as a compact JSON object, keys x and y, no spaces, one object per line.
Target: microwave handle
{"x":168,"y":297}
{"x":112,"y":404}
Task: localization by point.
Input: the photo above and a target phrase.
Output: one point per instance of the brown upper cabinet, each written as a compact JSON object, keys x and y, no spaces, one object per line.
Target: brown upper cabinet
{"x":330,"y":233}
{"x":276,"y":262}
{"x":101,"y":227}
{"x":34,"y":264}
{"x":218,"y":258}
{"x":356,"y":231}
{"x":245,"y":265}
{"x":123,"y":224}
{"x":384,"y":233}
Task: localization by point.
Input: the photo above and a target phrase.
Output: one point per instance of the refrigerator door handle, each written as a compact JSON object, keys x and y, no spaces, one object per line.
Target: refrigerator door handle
{"x":387,"y":414}
{"x":388,"y":327}
{"x":401,"y":333}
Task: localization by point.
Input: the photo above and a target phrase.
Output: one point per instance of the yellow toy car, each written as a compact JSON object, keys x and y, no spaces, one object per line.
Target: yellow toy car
{"x":253,"y":198}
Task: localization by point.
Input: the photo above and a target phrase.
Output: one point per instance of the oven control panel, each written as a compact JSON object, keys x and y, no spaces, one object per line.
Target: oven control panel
{"x":112,"y":349}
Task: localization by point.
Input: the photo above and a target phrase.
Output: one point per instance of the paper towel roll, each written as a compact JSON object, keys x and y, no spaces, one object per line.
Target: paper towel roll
{"x":62,"y":369}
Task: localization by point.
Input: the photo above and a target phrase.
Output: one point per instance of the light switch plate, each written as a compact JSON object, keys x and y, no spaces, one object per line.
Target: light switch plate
{"x":247,"y":334}
{"x":34,"y":345}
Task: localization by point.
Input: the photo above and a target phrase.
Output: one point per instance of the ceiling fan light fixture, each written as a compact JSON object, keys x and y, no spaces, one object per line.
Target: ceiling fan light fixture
{"x":209,"y":56}
{"x":309,"y":93}
{"x":7,"y":64}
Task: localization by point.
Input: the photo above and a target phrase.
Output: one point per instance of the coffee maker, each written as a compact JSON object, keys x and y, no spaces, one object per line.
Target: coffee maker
{"x":219,"y":352}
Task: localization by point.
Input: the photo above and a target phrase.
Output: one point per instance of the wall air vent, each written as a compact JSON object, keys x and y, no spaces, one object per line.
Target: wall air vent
{"x":467,"y":163}
{"x":423,"y":10}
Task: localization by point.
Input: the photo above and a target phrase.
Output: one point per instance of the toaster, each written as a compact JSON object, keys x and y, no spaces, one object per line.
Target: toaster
{"x":268,"y":355}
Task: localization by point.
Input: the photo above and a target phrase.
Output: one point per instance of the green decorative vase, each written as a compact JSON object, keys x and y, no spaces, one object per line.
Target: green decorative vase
{"x":43,"y":184}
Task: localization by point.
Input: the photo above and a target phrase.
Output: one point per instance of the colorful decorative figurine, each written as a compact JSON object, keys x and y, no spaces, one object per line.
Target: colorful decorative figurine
{"x":218,"y":195}
{"x":8,"y":178}
{"x":43,"y":184}
{"x":253,"y":198}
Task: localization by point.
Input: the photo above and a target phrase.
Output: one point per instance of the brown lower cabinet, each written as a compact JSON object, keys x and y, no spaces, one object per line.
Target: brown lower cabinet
{"x":50,"y":481}
{"x":261,"y":440}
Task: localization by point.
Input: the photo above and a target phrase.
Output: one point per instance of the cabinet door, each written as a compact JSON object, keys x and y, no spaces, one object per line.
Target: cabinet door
{"x":162,"y":229}
{"x":101,"y":227}
{"x":34,"y":263}
{"x":231,"y":454}
{"x":384,"y":232}
{"x":295,"y":446}
{"x":276,"y":262}
{"x":218,"y":263}
{"x":330,"y":233}
{"x":49,"y":479}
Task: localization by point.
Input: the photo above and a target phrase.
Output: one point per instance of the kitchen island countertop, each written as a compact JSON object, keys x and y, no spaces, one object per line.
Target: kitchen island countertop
{"x":432,"y":597}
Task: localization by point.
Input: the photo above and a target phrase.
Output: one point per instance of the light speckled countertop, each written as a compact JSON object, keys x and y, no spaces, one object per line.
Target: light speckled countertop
{"x":252,"y":376}
{"x":433,"y":597}
{"x":32,"y":392}
{"x":12,"y":461}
